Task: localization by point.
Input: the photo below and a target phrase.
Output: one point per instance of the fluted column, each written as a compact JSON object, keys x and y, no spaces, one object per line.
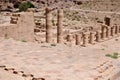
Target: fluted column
{"x":48,"y":25}
{"x":60,"y":26}
{"x":85,"y":39}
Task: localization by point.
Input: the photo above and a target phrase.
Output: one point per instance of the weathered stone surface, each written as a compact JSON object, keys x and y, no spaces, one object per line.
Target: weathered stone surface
{"x":22,"y":29}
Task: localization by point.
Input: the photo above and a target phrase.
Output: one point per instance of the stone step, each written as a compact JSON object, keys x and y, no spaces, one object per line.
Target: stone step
{"x":14,"y":18}
{"x":13,"y":21}
{"x":36,"y":30}
{"x":37,"y":23}
{"x":16,"y":15}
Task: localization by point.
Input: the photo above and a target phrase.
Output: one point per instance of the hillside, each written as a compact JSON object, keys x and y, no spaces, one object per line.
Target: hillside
{"x":99,"y":5}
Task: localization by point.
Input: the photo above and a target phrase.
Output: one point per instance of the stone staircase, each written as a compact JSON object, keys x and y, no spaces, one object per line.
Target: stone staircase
{"x":14,"y":18}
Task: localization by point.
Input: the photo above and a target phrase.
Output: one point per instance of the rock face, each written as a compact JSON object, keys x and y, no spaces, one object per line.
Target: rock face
{"x":104,"y":5}
{"x":6,"y":6}
{"x":21,"y":27}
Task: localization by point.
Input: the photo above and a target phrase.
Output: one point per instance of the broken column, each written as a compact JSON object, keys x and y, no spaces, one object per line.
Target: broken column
{"x":98,"y":36}
{"x":85,"y":38}
{"x":69,"y":38}
{"x":59,"y":26}
{"x":92,"y":37}
{"x":116,"y":29}
{"x":108,"y":32}
{"x":107,"y":20}
{"x":48,"y":25}
{"x":78,"y":39}
{"x":113,"y":31}
{"x":103,"y":34}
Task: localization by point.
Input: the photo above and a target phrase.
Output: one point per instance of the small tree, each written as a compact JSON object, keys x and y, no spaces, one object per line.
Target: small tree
{"x":25,"y":5}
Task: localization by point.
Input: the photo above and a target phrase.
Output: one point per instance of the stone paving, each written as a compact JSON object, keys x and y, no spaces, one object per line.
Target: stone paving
{"x":59,"y":62}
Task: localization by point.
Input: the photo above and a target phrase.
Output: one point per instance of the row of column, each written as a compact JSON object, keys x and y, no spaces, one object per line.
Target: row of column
{"x":109,"y":32}
{"x":49,"y":27}
{"x":86,"y":38}
{"x":82,"y":39}
{"x":106,"y":31}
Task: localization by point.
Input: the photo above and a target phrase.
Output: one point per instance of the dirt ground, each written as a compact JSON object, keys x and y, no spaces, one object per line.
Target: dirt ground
{"x":58,"y":62}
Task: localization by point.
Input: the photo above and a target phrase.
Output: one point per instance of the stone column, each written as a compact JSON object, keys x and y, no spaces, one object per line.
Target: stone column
{"x":85,"y":39}
{"x":119,"y":29}
{"x":69,"y":38}
{"x":113,"y":31}
{"x":116,"y":29}
{"x":103,"y":33}
{"x":92,"y":37}
{"x":98,"y":36}
{"x":107,"y":20}
{"x":78,"y":39}
{"x":60,"y":26}
{"x":108,"y":32}
{"x":48,"y":25}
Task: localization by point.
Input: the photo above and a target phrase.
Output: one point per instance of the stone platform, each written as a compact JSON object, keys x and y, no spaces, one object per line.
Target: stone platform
{"x":58,"y":62}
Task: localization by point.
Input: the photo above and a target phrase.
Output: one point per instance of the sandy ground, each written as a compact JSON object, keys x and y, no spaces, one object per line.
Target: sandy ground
{"x":54,"y":62}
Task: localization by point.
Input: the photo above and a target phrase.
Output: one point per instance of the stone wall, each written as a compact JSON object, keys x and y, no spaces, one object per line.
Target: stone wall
{"x":21,"y":27}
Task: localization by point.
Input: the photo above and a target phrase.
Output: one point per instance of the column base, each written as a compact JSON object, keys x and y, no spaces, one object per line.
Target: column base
{"x":84,"y":45}
{"x":110,"y":37}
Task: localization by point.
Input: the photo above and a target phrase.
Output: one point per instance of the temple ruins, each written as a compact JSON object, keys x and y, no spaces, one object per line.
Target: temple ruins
{"x":25,"y":27}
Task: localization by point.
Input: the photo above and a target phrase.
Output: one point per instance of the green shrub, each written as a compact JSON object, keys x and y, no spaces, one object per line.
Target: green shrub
{"x":114,"y":56}
{"x":53,"y":44}
{"x":25,"y":5}
{"x":24,"y":41}
{"x":30,"y":5}
{"x":102,"y":49}
{"x":108,"y":55}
